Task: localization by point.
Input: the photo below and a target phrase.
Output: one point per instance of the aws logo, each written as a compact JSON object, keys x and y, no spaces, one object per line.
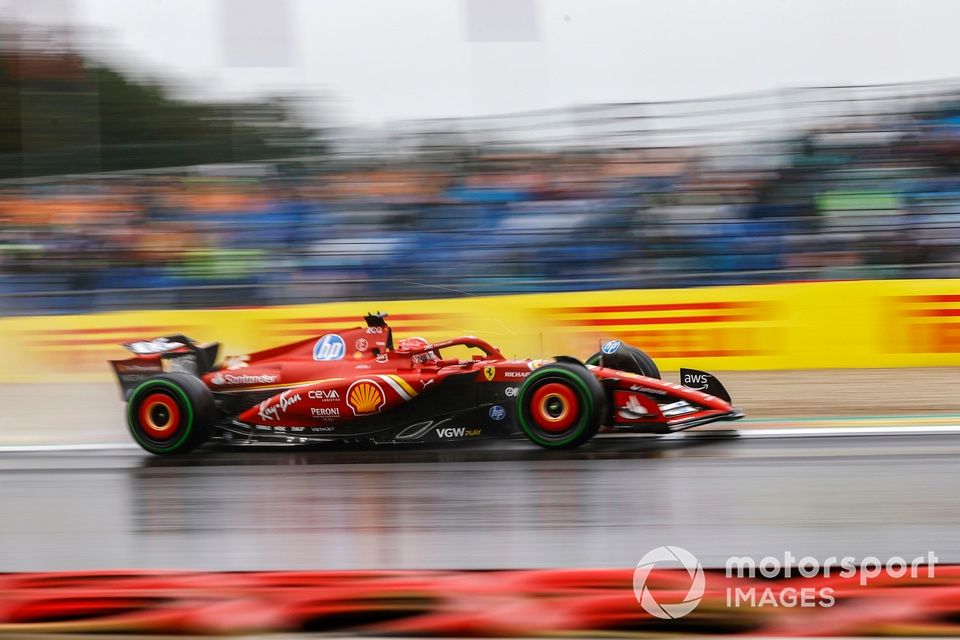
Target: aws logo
{"x":697,"y":381}
{"x":365,"y":397}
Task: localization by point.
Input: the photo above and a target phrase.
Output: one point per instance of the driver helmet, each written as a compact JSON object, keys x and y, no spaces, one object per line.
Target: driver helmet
{"x":412,"y":344}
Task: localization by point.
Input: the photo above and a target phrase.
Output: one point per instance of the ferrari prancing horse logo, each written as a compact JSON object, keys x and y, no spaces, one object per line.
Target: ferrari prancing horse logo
{"x":489,"y":372}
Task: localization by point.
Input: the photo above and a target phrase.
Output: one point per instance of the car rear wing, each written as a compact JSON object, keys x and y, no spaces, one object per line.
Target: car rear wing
{"x":163,"y":354}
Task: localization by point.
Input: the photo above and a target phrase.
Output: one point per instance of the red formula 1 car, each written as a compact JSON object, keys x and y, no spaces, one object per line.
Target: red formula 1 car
{"x":357,"y":385}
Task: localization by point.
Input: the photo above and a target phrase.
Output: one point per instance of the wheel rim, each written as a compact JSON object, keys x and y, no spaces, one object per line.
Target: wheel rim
{"x":554,"y":407}
{"x":159,"y":416}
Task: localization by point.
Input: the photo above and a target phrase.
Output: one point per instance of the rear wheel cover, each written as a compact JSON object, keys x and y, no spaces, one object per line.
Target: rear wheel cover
{"x":159,"y":416}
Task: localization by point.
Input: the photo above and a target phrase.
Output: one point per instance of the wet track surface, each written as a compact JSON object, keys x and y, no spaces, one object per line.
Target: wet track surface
{"x":496,"y":505}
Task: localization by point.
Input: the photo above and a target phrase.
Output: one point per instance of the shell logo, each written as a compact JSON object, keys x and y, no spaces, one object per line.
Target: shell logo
{"x":365,"y":396}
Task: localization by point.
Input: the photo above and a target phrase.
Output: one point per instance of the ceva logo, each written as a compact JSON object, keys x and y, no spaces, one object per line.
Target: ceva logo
{"x":669,"y":556}
{"x":329,"y":347}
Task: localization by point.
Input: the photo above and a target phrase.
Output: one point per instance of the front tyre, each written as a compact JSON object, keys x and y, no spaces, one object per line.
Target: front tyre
{"x":560,"y":406}
{"x":624,"y":357}
{"x":171,"y":413}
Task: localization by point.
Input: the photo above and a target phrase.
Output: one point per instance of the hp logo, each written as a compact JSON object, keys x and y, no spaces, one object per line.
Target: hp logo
{"x":611,"y":347}
{"x":329,"y":347}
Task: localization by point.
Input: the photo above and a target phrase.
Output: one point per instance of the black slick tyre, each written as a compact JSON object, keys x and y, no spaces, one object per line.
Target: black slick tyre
{"x":623,"y":357}
{"x":171,"y":413}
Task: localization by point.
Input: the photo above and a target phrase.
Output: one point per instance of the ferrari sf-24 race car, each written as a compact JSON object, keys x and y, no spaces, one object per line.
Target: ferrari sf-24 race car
{"x":357,"y":385}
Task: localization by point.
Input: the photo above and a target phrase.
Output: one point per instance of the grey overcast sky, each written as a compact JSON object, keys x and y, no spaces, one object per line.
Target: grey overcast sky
{"x":383,"y":60}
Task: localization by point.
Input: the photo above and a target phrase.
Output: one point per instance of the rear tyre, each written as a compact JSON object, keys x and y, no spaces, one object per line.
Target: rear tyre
{"x":171,"y":413}
{"x":623,"y":357}
{"x":560,"y":406}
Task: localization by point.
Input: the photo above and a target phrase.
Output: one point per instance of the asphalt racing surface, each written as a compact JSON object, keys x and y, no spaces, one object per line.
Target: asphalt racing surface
{"x":498,"y":505}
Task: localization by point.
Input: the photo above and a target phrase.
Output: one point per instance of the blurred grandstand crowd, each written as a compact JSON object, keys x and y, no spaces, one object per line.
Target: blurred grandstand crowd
{"x":873,"y":190}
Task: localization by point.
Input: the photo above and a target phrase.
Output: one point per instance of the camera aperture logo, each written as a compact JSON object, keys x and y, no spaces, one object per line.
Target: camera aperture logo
{"x":667,"y":557}
{"x":745,"y":581}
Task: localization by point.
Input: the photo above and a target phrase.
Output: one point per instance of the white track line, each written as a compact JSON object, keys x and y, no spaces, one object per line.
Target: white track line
{"x":807,"y":432}
{"x":58,"y":448}
{"x":831,"y":432}
{"x":745,"y":434}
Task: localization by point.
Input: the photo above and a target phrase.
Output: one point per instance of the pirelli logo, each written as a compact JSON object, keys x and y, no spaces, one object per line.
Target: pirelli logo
{"x":923,"y":324}
{"x":678,"y":330}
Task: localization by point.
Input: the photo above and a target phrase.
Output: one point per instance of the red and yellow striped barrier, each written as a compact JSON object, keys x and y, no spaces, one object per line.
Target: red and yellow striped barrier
{"x":868,"y":324}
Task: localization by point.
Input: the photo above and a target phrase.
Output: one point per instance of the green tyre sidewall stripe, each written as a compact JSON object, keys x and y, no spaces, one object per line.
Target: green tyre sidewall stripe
{"x":134,"y":424}
{"x":583,"y":418}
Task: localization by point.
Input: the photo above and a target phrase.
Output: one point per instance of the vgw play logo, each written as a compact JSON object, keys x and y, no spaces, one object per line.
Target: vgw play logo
{"x":668,"y":558}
